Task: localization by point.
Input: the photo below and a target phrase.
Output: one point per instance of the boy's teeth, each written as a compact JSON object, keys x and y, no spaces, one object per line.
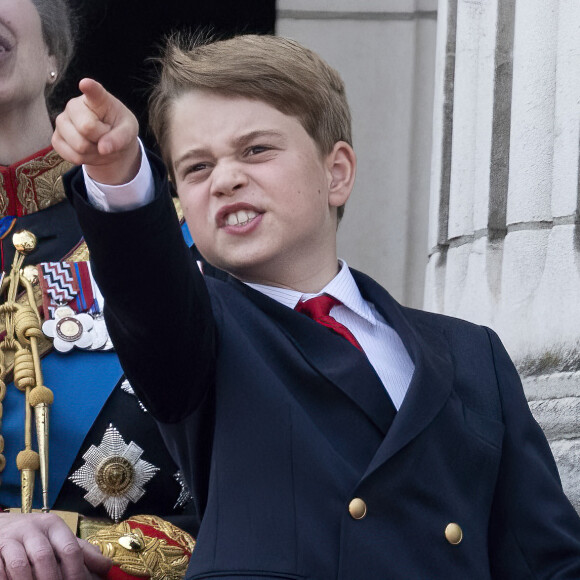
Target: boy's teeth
{"x":241,"y":217}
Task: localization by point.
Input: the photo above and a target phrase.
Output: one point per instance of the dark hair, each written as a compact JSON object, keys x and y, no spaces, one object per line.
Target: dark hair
{"x":58,"y":32}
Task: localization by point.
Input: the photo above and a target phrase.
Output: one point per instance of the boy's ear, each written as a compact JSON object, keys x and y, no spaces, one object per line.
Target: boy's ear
{"x":341,"y":164}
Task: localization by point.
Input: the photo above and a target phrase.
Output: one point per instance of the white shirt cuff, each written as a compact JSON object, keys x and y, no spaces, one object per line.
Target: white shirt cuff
{"x":124,"y":197}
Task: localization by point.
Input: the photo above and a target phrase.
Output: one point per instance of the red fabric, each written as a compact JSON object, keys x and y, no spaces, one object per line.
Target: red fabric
{"x":318,"y":308}
{"x":81,"y":284}
{"x":86,"y":285}
{"x":10,"y":178}
{"x":115,"y":573}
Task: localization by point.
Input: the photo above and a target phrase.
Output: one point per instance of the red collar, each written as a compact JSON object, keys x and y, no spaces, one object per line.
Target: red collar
{"x":32,"y":184}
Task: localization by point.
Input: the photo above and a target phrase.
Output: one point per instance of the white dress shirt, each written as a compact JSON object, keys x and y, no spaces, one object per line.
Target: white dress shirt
{"x":380,"y":342}
{"x":113,"y":198}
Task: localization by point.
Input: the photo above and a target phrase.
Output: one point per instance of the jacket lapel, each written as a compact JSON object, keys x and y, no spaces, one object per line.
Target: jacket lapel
{"x":432,"y":381}
{"x":331,"y":355}
{"x":348,"y":369}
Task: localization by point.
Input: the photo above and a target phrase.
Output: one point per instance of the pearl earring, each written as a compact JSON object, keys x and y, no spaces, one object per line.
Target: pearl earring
{"x":52,"y":75}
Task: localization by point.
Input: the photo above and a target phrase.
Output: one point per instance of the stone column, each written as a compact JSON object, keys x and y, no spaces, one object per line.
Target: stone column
{"x":384,"y":50}
{"x":504,"y":232}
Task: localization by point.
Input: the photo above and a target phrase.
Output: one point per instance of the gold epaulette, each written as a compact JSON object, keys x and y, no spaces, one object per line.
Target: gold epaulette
{"x":145,"y":547}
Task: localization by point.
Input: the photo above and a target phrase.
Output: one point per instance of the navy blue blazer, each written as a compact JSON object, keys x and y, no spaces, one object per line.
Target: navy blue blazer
{"x":278,"y":424}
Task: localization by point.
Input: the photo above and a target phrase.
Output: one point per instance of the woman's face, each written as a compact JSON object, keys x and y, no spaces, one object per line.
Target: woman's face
{"x":25,"y":64}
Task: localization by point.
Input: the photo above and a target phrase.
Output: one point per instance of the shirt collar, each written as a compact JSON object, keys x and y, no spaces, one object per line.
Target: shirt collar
{"x":342,"y":287}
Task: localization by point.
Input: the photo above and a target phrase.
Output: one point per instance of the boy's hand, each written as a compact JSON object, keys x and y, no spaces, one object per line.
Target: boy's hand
{"x":97,"y":130}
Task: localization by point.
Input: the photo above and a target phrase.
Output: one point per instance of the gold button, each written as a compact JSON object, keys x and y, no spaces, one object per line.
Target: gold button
{"x":453,"y":533}
{"x":357,"y":508}
{"x":24,"y":241}
{"x":132,"y":542}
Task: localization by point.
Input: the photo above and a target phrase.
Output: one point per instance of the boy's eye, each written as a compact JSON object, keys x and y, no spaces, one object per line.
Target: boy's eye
{"x":195,"y":171}
{"x":195,"y":168}
{"x":256,"y":149}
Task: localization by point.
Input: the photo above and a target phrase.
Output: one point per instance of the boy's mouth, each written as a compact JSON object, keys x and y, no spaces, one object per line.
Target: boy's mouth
{"x":237,"y":215}
{"x":240,"y":217}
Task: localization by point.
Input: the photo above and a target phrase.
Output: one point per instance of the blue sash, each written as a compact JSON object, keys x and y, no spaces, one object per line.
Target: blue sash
{"x":82,"y":382}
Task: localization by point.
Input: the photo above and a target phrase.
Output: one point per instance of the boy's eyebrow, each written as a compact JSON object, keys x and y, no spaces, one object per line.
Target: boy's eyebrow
{"x":237,"y":142}
{"x":258,"y":134}
{"x":195,"y":152}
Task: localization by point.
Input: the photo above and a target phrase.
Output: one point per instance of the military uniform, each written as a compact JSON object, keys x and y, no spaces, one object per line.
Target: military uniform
{"x":94,"y":409}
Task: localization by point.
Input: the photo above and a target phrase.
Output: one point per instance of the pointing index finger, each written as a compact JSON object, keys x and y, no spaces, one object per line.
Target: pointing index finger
{"x":95,"y":97}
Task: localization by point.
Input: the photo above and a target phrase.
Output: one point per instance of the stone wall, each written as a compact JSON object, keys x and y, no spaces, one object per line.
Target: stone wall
{"x":384,"y":50}
{"x":505,"y":197}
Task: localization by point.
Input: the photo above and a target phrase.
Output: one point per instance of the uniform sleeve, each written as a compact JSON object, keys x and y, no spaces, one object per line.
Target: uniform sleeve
{"x":157,"y":306}
{"x":534,"y":531}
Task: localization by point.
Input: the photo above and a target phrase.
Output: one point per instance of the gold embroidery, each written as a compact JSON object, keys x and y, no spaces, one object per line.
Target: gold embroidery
{"x":146,"y":556}
{"x":79,"y":254}
{"x":40,"y":182}
{"x":90,"y":526}
{"x":173,"y":532}
{"x":3,"y":196}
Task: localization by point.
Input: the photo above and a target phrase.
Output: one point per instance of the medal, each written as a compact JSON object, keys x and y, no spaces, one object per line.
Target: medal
{"x":113,"y":473}
{"x":60,"y":287}
{"x":100,"y":334}
{"x":72,"y":305}
{"x":97,"y":313}
{"x":69,"y":329}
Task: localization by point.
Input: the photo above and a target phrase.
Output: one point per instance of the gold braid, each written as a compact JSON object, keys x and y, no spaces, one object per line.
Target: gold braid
{"x":22,"y":322}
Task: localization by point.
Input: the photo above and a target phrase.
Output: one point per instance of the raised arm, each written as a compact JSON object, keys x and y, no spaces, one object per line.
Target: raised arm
{"x":156,"y":303}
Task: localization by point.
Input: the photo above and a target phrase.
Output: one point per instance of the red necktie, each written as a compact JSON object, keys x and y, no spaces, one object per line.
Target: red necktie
{"x":318,"y":308}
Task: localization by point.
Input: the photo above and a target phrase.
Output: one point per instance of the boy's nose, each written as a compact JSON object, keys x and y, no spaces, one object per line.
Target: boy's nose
{"x":227,"y":179}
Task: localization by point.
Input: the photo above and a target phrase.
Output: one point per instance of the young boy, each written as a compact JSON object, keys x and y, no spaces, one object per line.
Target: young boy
{"x":395,"y":445}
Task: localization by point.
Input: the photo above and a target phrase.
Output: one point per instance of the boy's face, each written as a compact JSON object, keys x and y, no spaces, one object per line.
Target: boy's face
{"x":259,"y":198}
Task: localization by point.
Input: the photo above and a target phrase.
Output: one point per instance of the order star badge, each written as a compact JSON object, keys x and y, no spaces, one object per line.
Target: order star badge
{"x":113,"y":474}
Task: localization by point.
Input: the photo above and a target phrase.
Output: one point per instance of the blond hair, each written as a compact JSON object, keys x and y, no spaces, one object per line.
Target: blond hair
{"x":275,"y":70}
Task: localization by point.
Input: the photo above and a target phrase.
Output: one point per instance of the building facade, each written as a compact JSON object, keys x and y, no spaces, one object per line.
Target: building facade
{"x":467,"y":129}
{"x":504,"y":240}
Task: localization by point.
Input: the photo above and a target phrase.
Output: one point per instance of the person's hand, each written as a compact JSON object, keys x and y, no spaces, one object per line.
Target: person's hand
{"x":42,"y":547}
{"x":97,"y":130}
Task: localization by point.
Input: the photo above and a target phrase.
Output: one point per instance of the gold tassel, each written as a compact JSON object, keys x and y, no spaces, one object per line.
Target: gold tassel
{"x":22,"y":334}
